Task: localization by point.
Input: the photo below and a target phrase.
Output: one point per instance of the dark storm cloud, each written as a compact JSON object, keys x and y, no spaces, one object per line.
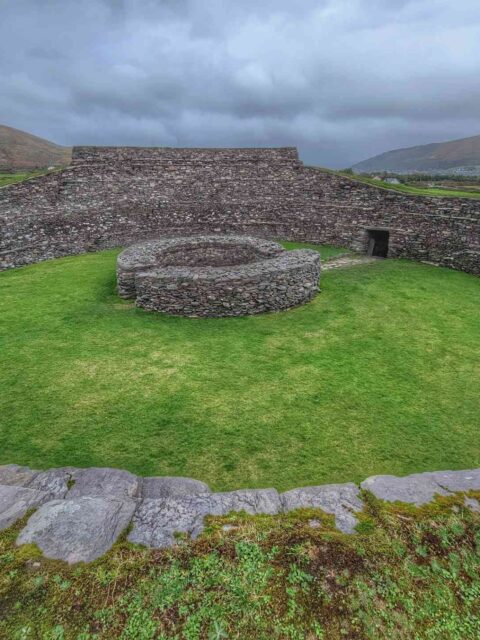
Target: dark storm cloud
{"x":340,"y":79}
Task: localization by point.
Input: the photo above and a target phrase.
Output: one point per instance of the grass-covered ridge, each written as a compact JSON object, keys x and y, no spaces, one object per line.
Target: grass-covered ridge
{"x":379,"y":374}
{"x":407,"y":574}
{"x":12,"y":178}
{"x":410,"y":189}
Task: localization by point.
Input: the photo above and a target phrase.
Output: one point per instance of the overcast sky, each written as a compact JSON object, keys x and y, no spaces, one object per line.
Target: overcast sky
{"x":340,"y":79}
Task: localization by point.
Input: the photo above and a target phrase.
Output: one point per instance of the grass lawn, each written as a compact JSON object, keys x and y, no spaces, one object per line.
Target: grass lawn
{"x":379,"y":374}
{"x":327,"y":251}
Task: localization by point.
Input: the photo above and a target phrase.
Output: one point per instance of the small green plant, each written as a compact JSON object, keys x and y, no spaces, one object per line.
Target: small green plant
{"x":270,"y":578}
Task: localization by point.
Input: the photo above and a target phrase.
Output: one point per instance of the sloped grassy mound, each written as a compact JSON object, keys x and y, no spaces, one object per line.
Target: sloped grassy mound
{"x":379,"y":374}
{"x":408,"y":573}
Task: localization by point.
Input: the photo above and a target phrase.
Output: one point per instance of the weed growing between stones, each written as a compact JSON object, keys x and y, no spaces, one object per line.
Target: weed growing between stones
{"x":408,"y":573}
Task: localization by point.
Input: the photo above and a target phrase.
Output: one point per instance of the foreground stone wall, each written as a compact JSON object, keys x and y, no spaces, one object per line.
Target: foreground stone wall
{"x":117,"y":196}
{"x":217,"y":276}
{"x":81,"y":512}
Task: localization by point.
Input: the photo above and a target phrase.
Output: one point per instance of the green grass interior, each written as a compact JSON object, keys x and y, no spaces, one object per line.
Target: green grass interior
{"x":379,"y":374}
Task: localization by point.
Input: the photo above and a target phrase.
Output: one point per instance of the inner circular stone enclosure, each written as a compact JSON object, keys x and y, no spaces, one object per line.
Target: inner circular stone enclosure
{"x":216,"y":276}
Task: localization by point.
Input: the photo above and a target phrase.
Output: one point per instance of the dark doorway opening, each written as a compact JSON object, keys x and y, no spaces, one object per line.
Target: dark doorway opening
{"x":378,"y":243}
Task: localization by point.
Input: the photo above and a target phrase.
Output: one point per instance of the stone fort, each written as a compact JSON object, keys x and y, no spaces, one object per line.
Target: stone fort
{"x":114,"y":196}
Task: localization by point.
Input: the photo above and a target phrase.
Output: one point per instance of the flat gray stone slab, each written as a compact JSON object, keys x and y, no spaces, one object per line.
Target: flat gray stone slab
{"x":157,"y":521}
{"x":458,"y":480}
{"x":418,"y":488}
{"x":13,"y":474}
{"x":16,"y":501}
{"x":341,"y":500}
{"x":54,"y":482}
{"x":252,"y":501}
{"x":171,"y":487}
{"x":77,"y":530}
{"x":472,"y":504}
{"x":81,"y":522}
{"x":104,"y":482}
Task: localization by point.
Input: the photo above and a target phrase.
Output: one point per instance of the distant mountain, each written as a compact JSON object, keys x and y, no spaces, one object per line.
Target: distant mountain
{"x":20,"y":151}
{"x":458,"y":155}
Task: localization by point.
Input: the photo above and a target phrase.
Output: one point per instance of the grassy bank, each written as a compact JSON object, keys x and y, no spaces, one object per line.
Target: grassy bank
{"x":380,"y":373}
{"x":12,"y":178}
{"x":407,"y":574}
{"x":413,"y":190}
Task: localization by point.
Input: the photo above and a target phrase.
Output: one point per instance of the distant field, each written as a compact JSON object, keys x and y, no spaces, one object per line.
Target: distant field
{"x":12,"y":178}
{"x":450,"y":185}
{"x":419,"y":191}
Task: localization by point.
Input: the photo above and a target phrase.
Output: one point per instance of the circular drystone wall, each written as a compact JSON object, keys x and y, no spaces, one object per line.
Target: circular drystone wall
{"x":215,"y":276}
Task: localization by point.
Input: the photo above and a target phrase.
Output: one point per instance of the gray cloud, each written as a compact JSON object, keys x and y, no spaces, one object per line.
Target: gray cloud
{"x":340,"y":79}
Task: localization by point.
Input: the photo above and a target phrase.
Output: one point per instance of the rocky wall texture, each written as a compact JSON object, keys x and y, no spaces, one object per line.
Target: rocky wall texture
{"x":190,"y":251}
{"x":115,"y":196}
{"x":81,"y":512}
{"x":217,"y":276}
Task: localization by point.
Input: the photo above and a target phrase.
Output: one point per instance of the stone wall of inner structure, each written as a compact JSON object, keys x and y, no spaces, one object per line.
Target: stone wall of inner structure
{"x":117,"y":196}
{"x":217,"y":276}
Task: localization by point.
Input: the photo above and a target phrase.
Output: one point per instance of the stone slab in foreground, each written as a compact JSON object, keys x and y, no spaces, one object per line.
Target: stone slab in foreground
{"x":16,"y":501}
{"x":421,"y":488}
{"x":81,"y":512}
{"x":14,"y":474}
{"x":157,"y":521}
{"x":54,"y":481}
{"x":104,"y":482}
{"x":77,"y":530}
{"x":171,"y":486}
{"x":341,"y":500}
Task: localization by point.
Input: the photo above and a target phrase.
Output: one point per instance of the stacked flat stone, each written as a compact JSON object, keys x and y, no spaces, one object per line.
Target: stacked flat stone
{"x":115,"y":196}
{"x":217,"y":276}
{"x":81,"y":512}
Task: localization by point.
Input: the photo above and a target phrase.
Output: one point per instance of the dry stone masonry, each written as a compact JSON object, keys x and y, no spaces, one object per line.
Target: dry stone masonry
{"x":81,"y":512}
{"x":116,"y":196}
{"x":215,"y":276}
